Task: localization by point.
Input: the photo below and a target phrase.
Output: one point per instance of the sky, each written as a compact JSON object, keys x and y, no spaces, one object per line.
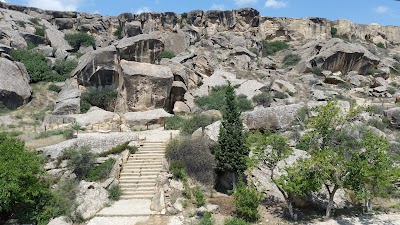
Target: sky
{"x":384,"y":12}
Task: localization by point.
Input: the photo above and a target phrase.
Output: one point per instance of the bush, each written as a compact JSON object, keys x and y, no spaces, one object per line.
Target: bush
{"x":199,"y":197}
{"x":175,"y":122}
{"x":380,"y":45}
{"x":263,"y":99}
{"x":291,"y":60}
{"x":104,"y":98}
{"x":190,"y":125}
{"x":235,"y":221}
{"x":35,"y":20}
{"x":39,"y":31}
{"x":76,"y":40}
{"x":100,"y":172}
{"x":206,"y":219}
{"x":255,"y":51}
{"x":280,"y":95}
{"x":317,"y":70}
{"x":65,"y":67}
{"x":216,"y":100}
{"x":166,"y":54}
{"x":81,"y":160}
{"x":53,"y":87}
{"x":247,"y":200}
{"x":375,"y":109}
{"x":120,"y":148}
{"x":49,"y":133}
{"x":392,"y":90}
{"x":118,"y":33}
{"x":380,"y":124}
{"x":178,"y":170}
{"x":195,"y":155}
{"x":333,"y":32}
{"x":114,"y":192}
{"x":36,"y":65}
{"x":270,"y":48}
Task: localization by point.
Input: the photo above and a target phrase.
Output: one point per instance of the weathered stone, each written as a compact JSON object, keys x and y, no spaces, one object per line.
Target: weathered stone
{"x":56,"y":39}
{"x":14,"y":86}
{"x":319,"y":95}
{"x":95,"y":115}
{"x":133,"y":28}
{"x":60,"y":221}
{"x":68,"y":101}
{"x":379,"y":81}
{"x":283,"y":86}
{"x":90,"y":199}
{"x":180,"y":108}
{"x":156,"y":116}
{"x":334,"y":80}
{"x":394,"y":115}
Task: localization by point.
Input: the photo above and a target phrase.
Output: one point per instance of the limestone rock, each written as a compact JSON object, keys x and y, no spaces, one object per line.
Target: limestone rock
{"x":56,"y":39}
{"x":334,"y":80}
{"x":156,"y":116}
{"x":272,"y":118}
{"x":133,"y":28}
{"x":95,"y":115}
{"x":14,"y":86}
{"x":68,"y":101}
{"x":180,"y":108}
{"x":146,"y":86}
{"x":250,"y":88}
{"x":90,"y":199}
{"x":394,"y":115}
{"x":283,"y":86}
{"x":59,"y":221}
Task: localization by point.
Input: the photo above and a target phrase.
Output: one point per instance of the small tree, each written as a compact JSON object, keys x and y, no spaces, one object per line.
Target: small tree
{"x":231,"y":152}
{"x":247,"y":199}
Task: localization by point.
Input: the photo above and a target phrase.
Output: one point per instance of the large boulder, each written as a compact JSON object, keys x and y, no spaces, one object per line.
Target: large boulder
{"x":68,"y":101}
{"x":57,"y":40}
{"x":272,"y":118}
{"x":394,"y":115}
{"x":156,"y":116}
{"x":336,"y":55}
{"x":146,"y":86}
{"x":91,"y":198}
{"x":98,"y":68}
{"x":14,"y":86}
{"x":95,"y":115}
{"x":141,"y":48}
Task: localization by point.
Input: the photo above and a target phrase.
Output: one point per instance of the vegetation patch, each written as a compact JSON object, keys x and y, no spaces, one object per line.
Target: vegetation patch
{"x":81,"y":160}
{"x":317,"y":70}
{"x":119,"y":32}
{"x":120,"y":148}
{"x":104,"y":98}
{"x":114,"y":192}
{"x":166,"y":54}
{"x":291,"y":60}
{"x":53,"y":87}
{"x":76,"y":40}
{"x":100,"y":172}
{"x":264,"y":99}
{"x":39,"y":31}
{"x":270,"y":48}
{"x":49,"y":133}
{"x":199,"y":197}
{"x":247,"y":200}
{"x":190,"y":124}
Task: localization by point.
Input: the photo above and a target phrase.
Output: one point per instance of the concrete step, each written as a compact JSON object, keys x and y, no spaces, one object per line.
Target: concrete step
{"x":146,"y":155}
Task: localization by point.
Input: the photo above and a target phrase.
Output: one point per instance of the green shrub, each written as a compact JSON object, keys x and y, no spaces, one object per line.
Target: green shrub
{"x":120,"y":148}
{"x":49,"y":133}
{"x":104,"y":98}
{"x":191,"y":124}
{"x":175,"y":122}
{"x":100,"y":172}
{"x":114,"y":192}
{"x":65,"y":67}
{"x":81,"y":160}
{"x":280,"y":95}
{"x":235,"y":221}
{"x":199,"y":197}
{"x":380,"y":45}
{"x":21,"y":23}
{"x":255,"y":51}
{"x":166,"y":54}
{"x":178,"y":170}
{"x":206,"y":219}
{"x":375,"y":109}
{"x":195,"y":154}
{"x":35,"y":20}
{"x":317,"y":70}
{"x":76,"y":40}
{"x":263,"y":99}
{"x":270,"y":48}
{"x":216,"y":100}
{"x":345,"y":85}
{"x":119,"y":32}
{"x":53,"y":87}
{"x":291,"y":60}
{"x":333,"y":32}
{"x":247,"y":200}
{"x":380,"y":124}
{"x":372,"y":70}
{"x":36,"y":65}
{"x":39,"y":31}
{"x":392,"y":90}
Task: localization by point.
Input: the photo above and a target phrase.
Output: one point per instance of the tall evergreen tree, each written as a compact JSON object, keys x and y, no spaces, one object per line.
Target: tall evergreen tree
{"x":231,"y":151}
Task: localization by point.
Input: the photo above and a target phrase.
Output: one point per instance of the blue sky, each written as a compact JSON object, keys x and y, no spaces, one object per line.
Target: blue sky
{"x":384,"y":12}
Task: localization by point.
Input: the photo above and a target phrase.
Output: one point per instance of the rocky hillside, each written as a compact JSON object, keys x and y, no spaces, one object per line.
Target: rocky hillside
{"x":167,"y":60}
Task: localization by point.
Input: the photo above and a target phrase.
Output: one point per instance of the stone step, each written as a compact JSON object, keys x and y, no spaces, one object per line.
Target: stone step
{"x":137,"y":196}
{"x":143,"y":169}
{"x":153,"y":188}
{"x":143,"y":166}
{"x":148,"y":155}
{"x":136,"y":180}
{"x":139,"y":176}
{"x":146,"y":152}
{"x":138,"y":161}
{"x":138,"y":192}
{"x":138,"y":173}
{"x":137,"y":185}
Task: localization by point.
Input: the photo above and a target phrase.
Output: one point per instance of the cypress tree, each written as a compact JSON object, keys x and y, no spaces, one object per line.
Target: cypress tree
{"x":231,"y":150}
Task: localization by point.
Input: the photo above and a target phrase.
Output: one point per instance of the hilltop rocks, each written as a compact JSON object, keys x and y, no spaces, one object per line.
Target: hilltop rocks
{"x":146,"y":86}
{"x":68,"y":101}
{"x":156,"y":116}
{"x":272,"y":118}
{"x":14,"y":86}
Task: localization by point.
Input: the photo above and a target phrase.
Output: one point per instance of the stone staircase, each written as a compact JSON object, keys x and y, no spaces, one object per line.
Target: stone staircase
{"x":139,"y":174}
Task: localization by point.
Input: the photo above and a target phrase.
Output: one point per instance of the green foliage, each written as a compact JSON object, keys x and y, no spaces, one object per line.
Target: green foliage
{"x":76,"y":40}
{"x":189,"y":125}
{"x":206,"y":219}
{"x":247,"y":200}
{"x":255,"y":51}
{"x":270,"y":48}
{"x":35,"y":20}
{"x":216,"y":100}
{"x":100,"y":172}
{"x":49,"y":133}
{"x":263,"y":99}
{"x":280,"y":95}
{"x":166,"y":54}
{"x":291,"y":60}
{"x":236,"y":221}
{"x":114,"y":192}
{"x":379,"y":123}
{"x":65,"y":67}
{"x":196,"y":157}
{"x":39,"y":31}
{"x":104,"y":98}
{"x":23,"y":191}
{"x":333,"y":32}
{"x":10,"y":134}
{"x":120,"y":148}
{"x":380,"y":45}
{"x":81,"y":160}
{"x":178,"y":170}
{"x":317,"y":70}
{"x":231,"y":152}
{"x":21,"y":23}
{"x":119,"y":32}
{"x":36,"y":65}
{"x":53,"y":87}
{"x":392,"y":90}
{"x":199,"y":197}
{"x":372,"y":70}
{"x":375,"y":109}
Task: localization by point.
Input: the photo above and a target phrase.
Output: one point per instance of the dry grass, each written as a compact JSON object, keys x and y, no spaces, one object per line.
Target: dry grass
{"x":39,"y":143}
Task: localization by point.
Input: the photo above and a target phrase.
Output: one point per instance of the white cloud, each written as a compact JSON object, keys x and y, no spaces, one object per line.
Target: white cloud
{"x":3,"y":1}
{"x":381,"y":9}
{"x":217,"y":7}
{"x":275,"y":4}
{"x":142,"y":10}
{"x":60,"y":5}
{"x":245,"y":2}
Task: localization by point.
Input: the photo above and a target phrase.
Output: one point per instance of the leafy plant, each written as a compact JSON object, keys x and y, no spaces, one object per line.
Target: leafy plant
{"x":317,"y":70}
{"x":333,"y":32}
{"x":49,"y":133}
{"x":81,"y":160}
{"x":39,"y":31}
{"x":104,"y":98}
{"x":100,"y":172}
{"x":235,"y":221}
{"x":247,"y":200}
{"x":380,"y":45}
{"x":35,"y":20}
{"x":76,"y":40}
{"x":178,"y":169}
{"x":120,"y":148}
{"x":119,"y":32}
{"x":280,"y":95}
{"x":199,"y":197}
{"x":114,"y":192}
{"x":263,"y":99}
{"x":166,"y":54}
{"x":206,"y":219}
{"x":291,"y":60}
{"x":270,"y":48}
{"x":53,"y":87}
{"x":65,"y":67}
